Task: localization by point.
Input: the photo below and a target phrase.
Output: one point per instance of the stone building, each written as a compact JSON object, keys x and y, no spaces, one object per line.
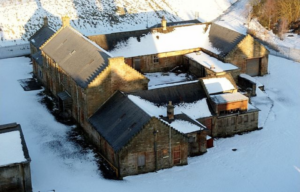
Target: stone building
{"x":241,"y":50}
{"x":133,"y":141}
{"x":82,"y":75}
{"x":36,"y":41}
{"x":15,"y":175}
{"x":163,"y":47}
{"x":233,"y":113}
{"x":95,"y":78}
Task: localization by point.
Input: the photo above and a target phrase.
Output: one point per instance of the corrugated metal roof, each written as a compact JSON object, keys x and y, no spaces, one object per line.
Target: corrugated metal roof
{"x":38,"y":58}
{"x":77,"y":56}
{"x":41,"y":36}
{"x":186,"y":93}
{"x":118,"y":120}
{"x":224,"y":39}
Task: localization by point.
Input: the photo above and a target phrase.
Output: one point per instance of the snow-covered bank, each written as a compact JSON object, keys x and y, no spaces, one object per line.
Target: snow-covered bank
{"x":20,"y":19}
{"x":265,"y":160}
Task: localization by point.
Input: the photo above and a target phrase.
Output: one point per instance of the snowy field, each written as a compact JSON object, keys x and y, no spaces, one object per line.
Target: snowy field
{"x":265,"y":160}
{"x":19,"y":19}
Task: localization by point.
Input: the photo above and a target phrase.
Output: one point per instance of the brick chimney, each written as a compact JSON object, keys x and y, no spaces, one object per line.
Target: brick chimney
{"x":65,"y":21}
{"x":46,"y":21}
{"x":170,"y":111}
{"x":164,"y":23}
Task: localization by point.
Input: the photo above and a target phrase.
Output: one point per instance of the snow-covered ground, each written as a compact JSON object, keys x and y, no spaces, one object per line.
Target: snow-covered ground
{"x":160,"y":79}
{"x":20,"y":19}
{"x":265,"y":160}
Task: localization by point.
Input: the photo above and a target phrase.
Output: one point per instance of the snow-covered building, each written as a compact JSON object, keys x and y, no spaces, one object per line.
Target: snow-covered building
{"x":232,"y":111}
{"x":97,"y":81}
{"x":82,"y":75}
{"x":15,"y":175}
{"x":166,"y":46}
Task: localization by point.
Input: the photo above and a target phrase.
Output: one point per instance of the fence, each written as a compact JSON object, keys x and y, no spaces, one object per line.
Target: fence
{"x":14,"y":51}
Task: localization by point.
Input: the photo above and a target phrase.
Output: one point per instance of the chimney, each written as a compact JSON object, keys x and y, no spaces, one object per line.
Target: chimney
{"x":46,"y":21}
{"x":170,"y":111}
{"x":164,"y":23}
{"x":65,"y":21}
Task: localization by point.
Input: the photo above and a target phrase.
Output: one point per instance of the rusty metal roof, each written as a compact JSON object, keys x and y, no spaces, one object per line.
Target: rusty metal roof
{"x":77,"y":56}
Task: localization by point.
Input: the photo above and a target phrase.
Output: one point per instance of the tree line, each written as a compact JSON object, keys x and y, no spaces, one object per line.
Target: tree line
{"x":277,"y":15}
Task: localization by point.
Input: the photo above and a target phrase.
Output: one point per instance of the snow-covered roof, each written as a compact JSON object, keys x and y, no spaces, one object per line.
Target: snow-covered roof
{"x":252,"y":79}
{"x":184,"y":126}
{"x":195,"y":110}
{"x":210,"y":62}
{"x":181,"y":38}
{"x":217,"y":85}
{"x":11,"y":150}
{"x":228,"y":97}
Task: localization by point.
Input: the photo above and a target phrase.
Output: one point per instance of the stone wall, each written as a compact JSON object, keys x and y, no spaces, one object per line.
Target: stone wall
{"x":248,"y":48}
{"x":166,"y":61}
{"x":228,"y":125}
{"x":15,"y":178}
{"x":157,"y":142}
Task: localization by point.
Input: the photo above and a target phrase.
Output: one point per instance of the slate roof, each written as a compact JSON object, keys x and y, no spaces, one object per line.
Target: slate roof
{"x":224,"y":39}
{"x":77,"y":56}
{"x":41,"y":36}
{"x":178,"y":23}
{"x":187,"y":93}
{"x":119,"y":120}
{"x":38,"y":58}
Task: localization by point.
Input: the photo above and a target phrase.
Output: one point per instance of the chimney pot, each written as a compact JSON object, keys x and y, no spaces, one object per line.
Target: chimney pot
{"x":46,"y":21}
{"x":65,"y":21}
{"x":170,"y":111}
{"x":164,"y":23}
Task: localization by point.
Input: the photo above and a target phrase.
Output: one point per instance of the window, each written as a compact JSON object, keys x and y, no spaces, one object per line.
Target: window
{"x":155,"y":59}
{"x":232,"y":120}
{"x":246,"y":118}
{"x":141,"y":160}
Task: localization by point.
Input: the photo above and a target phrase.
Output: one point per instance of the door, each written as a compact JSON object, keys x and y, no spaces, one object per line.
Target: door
{"x":176,"y":155}
{"x":252,"y":67}
{"x":137,"y":64}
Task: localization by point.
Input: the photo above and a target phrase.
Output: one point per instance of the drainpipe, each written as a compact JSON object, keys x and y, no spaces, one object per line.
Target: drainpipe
{"x":77,"y":104}
{"x":155,"y":149}
{"x":170,"y":147}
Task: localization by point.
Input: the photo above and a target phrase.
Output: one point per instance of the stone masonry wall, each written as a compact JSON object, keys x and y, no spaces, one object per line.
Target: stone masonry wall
{"x":232,"y":124}
{"x":166,"y":140}
{"x":11,"y":178}
{"x":248,"y":48}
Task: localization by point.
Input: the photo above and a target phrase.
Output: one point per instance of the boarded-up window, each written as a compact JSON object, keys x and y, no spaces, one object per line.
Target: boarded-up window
{"x":141,"y":160}
{"x":176,"y":155}
{"x":252,"y":117}
{"x":240,"y":119}
{"x":220,"y":123}
{"x":246,"y":118}
{"x":232,"y":120}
